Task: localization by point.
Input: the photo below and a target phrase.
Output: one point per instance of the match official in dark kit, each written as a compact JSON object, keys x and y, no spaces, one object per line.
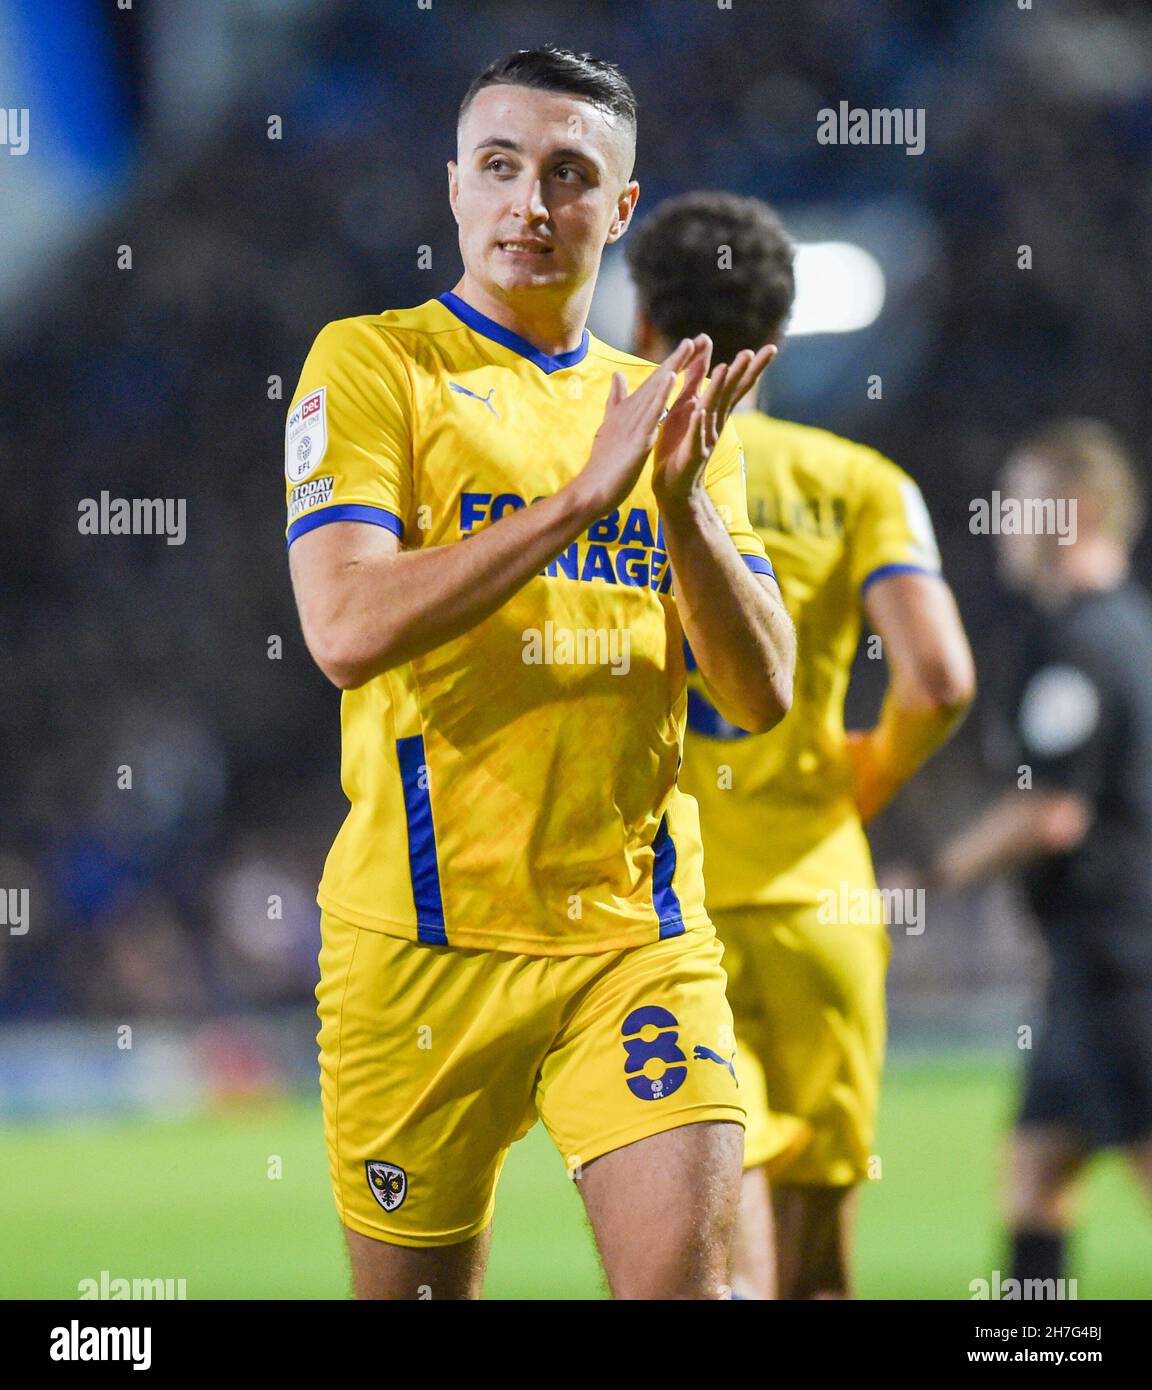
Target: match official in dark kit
{"x":1078,"y":822}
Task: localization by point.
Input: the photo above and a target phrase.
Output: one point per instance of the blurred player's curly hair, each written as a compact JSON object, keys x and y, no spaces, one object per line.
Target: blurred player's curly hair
{"x":1087,"y":456}
{"x":687,"y":285}
{"x":551,"y":69}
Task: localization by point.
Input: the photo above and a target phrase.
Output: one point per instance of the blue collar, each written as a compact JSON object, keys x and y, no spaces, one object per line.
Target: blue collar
{"x":489,"y":328}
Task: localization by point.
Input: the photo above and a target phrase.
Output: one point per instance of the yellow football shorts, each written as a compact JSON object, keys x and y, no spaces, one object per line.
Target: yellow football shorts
{"x":434,"y":1060}
{"x":808,"y":997}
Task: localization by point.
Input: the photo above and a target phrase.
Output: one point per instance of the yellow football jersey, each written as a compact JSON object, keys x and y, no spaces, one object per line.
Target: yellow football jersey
{"x":778,"y":818}
{"x":514,"y":789}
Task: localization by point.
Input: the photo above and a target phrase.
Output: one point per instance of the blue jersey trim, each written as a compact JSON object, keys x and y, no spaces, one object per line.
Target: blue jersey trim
{"x":489,"y":328}
{"x":885,"y":570}
{"x":664,"y":897}
{"x":758,"y":565}
{"x":348,"y":511}
{"x":705,"y":719}
{"x":422,"y":861}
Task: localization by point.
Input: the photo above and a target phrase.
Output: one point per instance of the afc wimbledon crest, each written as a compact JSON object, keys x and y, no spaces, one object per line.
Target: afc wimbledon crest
{"x":389,"y":1184}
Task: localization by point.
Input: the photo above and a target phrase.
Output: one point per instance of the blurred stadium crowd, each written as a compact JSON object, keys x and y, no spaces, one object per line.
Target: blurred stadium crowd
{"x":124,"y":652}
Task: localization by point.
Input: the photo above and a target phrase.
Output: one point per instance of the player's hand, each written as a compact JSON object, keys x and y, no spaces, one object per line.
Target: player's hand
{"x":858,"y":751}
{"x":628,"y":433}
{"x":693,"y":426}
{"x":870,"y":789}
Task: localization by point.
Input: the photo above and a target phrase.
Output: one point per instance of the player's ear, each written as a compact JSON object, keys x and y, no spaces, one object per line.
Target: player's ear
{"x":453,"y":186}
{"x":625,"y":206}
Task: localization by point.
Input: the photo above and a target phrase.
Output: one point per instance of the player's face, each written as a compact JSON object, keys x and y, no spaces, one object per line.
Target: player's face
{"x":538,"y":189}
{"x":1025,"y":560}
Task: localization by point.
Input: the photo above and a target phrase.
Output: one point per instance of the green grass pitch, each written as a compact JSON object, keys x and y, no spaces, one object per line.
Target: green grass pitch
{"x":193,"y":1199}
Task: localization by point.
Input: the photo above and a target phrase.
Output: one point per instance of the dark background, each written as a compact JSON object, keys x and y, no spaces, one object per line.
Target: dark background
{"x":150,"y":129}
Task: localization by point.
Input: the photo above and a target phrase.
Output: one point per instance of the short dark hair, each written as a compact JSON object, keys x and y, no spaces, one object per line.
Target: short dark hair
{"x":685,"y":287}
{"x":551,"y":69}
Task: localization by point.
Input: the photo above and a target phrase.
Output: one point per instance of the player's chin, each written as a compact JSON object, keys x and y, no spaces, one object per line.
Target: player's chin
{"x":530,"y":268}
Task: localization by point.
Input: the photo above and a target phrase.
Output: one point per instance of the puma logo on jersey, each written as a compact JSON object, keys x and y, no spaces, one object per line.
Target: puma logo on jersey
{"x":484,"y":400}
{"x":701,"y":1053}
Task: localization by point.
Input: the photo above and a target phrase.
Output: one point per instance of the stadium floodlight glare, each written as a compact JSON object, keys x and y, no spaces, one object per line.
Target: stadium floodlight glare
{"x":839,"y":288}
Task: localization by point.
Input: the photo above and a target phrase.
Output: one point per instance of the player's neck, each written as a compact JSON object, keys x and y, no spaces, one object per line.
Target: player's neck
{"x":553,"y":326}
{"x":1091,"y":566}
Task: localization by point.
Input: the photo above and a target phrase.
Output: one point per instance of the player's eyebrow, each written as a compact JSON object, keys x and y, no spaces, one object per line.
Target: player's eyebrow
{"x":501,"y":142}
{"x":567,"y":152}
{"x":564,"y":152}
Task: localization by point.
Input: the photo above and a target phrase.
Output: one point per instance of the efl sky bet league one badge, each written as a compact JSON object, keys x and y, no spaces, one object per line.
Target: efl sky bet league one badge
{"x":306,"y":436}
{"x":389,"y":1184}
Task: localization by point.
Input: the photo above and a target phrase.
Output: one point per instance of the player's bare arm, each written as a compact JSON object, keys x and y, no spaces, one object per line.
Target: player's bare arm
{"x":1018,"y":829}
{"x":735,"y":621}
{"x":931,"y":684}
{"x":366,"y":606}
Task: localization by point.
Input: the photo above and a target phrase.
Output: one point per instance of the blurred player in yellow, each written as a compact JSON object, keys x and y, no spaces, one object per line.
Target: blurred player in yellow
{"x":789,"y":879}
{"x":513,"y":912}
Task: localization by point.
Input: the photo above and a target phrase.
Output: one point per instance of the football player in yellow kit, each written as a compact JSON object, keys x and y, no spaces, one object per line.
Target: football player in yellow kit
{"x":786,"y":861}
{"x":513,"y":918}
